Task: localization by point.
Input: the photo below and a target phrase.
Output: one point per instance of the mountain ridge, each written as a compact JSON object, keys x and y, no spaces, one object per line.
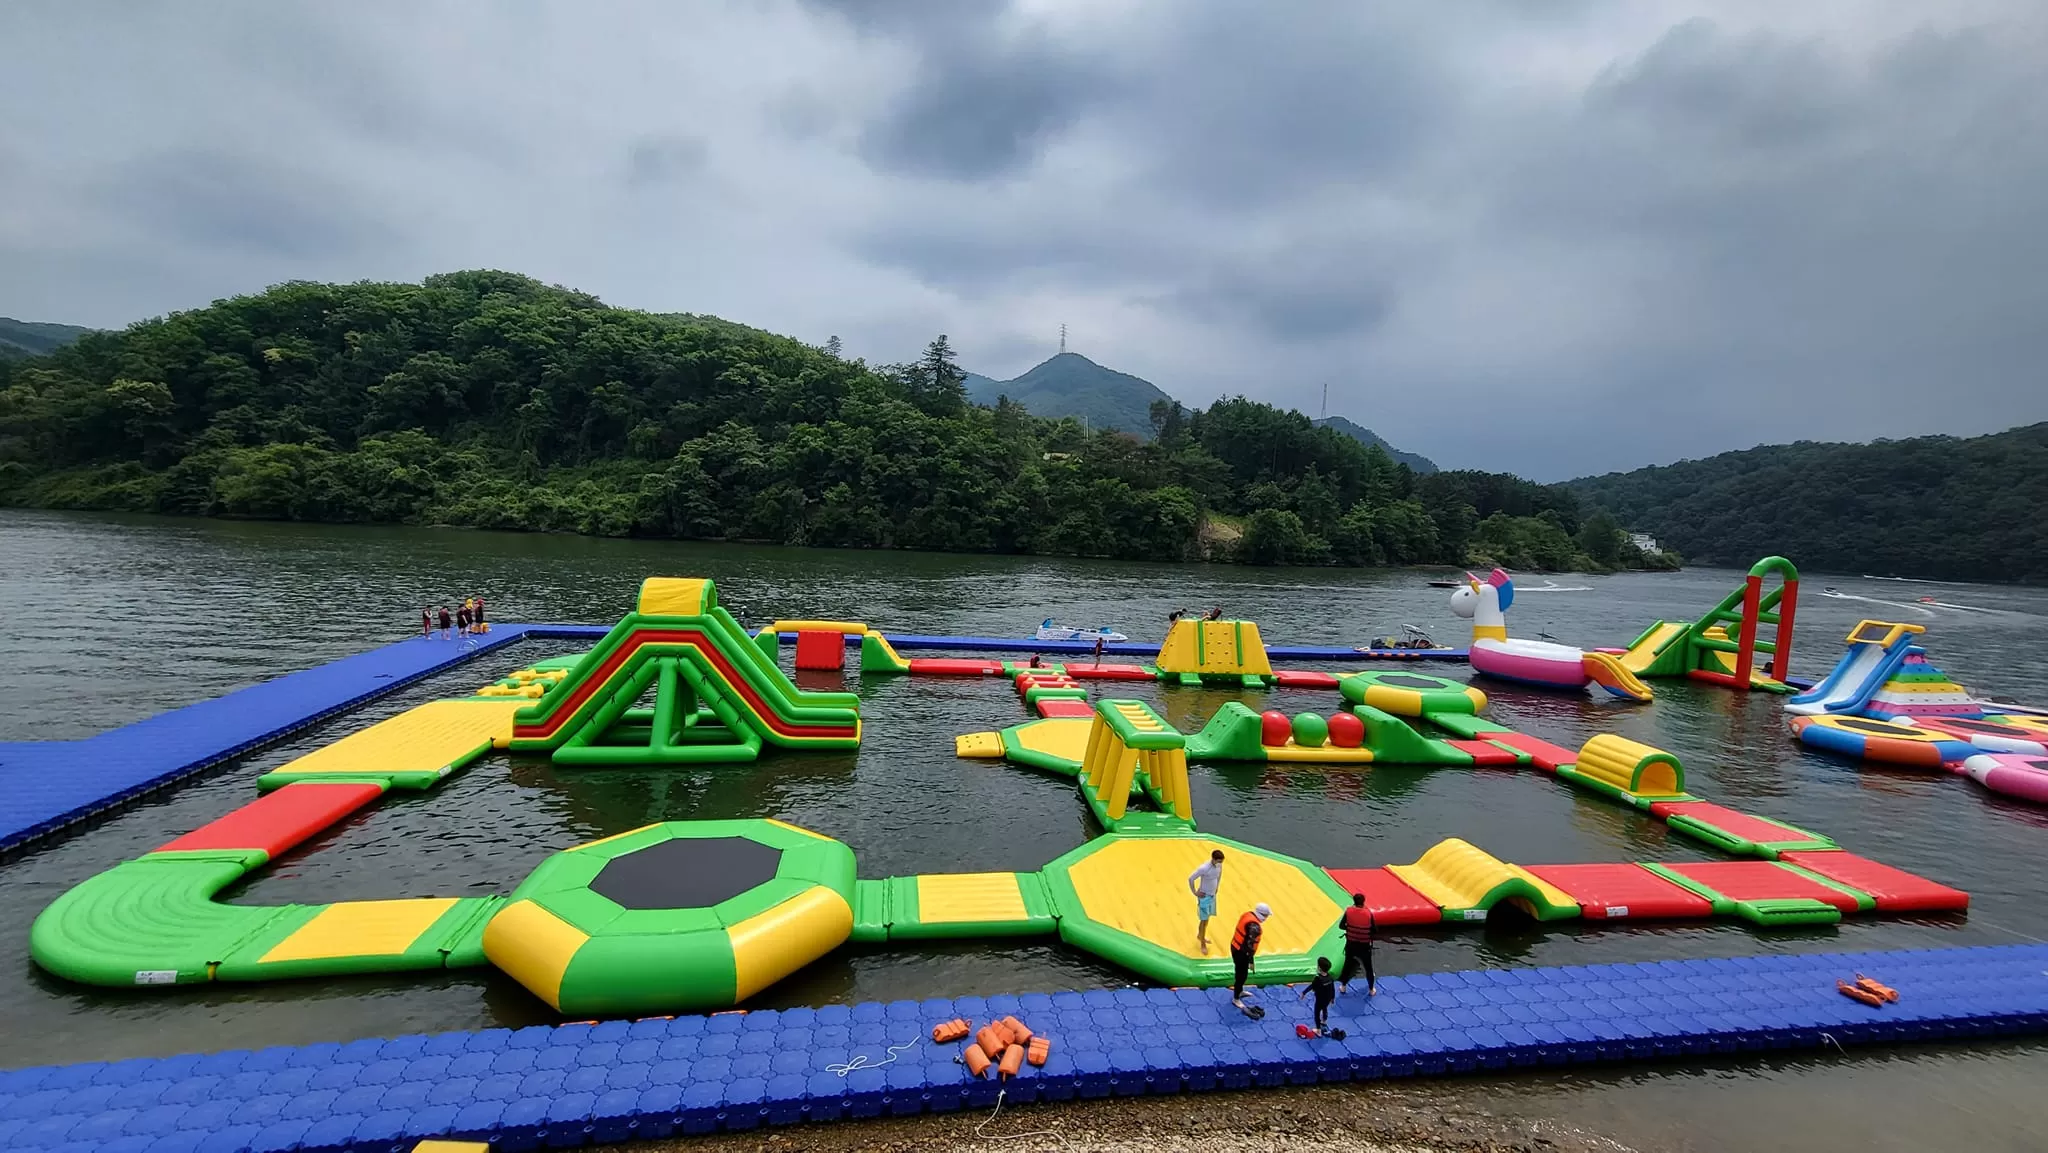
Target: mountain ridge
{"x":1070,"y":384}
{"x":26,"y":338}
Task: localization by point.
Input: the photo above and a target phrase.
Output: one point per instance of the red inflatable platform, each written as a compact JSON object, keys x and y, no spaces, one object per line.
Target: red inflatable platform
{"x":1895,"y":890}
{"x":1485,"y":752}
{"x":1092,"y":672}
{"x":1760,"y":881}
{"x":1607,"y":892}
{"x":1391,"y":900}
{"x":1542,"y":753}
{"x":954,"y":667}
{"x":1064,"y":707}
{"x":276,"y":821}
{"x":1304,"y":679}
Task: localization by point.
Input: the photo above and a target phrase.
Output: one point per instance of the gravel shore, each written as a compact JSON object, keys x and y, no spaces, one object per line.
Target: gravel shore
{"x":1331,"y":1119}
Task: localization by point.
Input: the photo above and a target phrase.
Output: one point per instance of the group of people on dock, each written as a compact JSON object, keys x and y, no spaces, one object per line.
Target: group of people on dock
{"x":1356,"y":923}
{"x":467,"y":619}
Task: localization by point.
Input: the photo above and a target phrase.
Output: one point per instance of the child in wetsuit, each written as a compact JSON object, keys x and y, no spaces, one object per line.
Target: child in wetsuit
{"x":447,"y":624}
{"x":1325,"y":988}
{"x":426,"y":625}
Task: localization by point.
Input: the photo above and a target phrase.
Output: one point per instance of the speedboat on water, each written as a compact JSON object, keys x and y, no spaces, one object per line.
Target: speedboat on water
{"x":1049,"y":631}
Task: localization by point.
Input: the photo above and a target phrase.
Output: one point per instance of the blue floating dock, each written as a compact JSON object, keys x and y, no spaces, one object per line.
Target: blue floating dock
{"x":52,"y":784}
{"x":586,"y":1083}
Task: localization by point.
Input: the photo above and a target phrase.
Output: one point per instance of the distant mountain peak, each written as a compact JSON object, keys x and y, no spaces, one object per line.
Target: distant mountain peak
{"x":1069,"y":384}
{"x":1366,"y":436}
{"x":19,"y":338}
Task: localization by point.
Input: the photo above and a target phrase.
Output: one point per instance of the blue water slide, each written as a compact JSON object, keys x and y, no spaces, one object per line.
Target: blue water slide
{"x":1861,"y":672}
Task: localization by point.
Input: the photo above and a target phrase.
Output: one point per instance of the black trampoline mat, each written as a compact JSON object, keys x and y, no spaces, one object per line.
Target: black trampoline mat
{"x":1409,"y":681}
{"x":687,"y":873}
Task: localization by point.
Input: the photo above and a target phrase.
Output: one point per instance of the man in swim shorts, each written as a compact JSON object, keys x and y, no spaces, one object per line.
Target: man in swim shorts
{"x":1203,"y":883}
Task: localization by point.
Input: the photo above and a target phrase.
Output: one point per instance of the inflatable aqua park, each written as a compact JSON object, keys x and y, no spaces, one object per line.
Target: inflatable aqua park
{"x":656,"y":944}
{"x":702,"y":915}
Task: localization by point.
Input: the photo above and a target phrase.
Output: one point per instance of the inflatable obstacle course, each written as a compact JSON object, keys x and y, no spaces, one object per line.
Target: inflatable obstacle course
{"x":716,"y":696}
{"x":1705,"y":649}
{"x":702,"y":914}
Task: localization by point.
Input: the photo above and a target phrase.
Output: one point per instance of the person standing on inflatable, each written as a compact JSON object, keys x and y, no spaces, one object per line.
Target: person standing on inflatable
{"x":1203,"y":883}
{"x":1357,"y":924}
{"x":1244,"y":945}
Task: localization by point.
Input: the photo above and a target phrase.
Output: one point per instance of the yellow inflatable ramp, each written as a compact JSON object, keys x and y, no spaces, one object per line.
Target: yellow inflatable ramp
{"x":412,"y":750}
{"x":1651,"y":645}
{"x":1466,"y":882}
{"x":1629,"y":771}
{"x":966,"y":905}
{"x":1214,"y":649}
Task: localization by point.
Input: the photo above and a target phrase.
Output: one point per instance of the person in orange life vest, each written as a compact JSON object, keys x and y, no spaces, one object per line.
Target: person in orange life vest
{"x":1244,"y":945}
{"x":1357,"y":924}
{"x":1203,"y":883}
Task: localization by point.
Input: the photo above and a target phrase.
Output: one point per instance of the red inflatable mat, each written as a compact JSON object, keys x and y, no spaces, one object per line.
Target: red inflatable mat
{"x":1608,"y":892}
{"x":1063,"y":707}
{"x":1760,"y":881}
{"x":1542,"y":753}
{"x":1110,"y":673}
{"x":1304,"y":679}
{"x":1391,"y":900}
{"x":1485,"y":752}
{"x":276,"y":821}
{"x":1737,"y":826}
{"x":1895,"y":890}
{"x":954,"y":667}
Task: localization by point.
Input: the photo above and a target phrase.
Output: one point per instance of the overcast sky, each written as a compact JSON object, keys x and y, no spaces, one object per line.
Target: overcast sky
{"x":1556,"y":237}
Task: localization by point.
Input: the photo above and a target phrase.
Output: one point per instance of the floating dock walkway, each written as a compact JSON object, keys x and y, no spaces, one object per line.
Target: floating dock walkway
{"x":586,"y":1083}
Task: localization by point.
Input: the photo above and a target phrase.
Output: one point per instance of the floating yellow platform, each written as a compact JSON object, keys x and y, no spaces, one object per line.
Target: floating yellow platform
{"x":411,"y":750}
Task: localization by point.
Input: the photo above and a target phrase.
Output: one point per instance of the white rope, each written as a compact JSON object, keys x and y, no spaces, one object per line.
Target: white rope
{"x":860,"y":1061}
{"x":979,"y":1130}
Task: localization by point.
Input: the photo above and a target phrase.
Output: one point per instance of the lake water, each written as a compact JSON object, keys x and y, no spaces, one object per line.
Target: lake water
{"x":105,"y":620}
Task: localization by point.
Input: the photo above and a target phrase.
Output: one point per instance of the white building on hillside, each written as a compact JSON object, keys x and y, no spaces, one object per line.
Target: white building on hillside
{"x":1644,"y":541}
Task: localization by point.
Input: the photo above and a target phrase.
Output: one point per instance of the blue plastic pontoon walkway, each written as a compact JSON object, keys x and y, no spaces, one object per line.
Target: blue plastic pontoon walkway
{"x":622,"y":1080}
{"x":51,"y":784}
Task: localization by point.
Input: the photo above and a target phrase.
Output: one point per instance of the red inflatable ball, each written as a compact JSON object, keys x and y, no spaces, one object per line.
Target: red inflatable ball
{"x":1346,"y":730}
{"x":1275,"y":728}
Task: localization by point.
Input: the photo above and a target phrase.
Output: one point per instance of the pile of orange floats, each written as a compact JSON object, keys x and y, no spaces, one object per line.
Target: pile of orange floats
{"x":1007,"y":1044}
{"x":1868,"y":991}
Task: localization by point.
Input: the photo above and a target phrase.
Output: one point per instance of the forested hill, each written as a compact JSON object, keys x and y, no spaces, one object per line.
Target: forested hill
{"x":1072,"y":385}
{"x":492,"y":400}
{"x":1933,"y":506}
{"x":21,"y":338}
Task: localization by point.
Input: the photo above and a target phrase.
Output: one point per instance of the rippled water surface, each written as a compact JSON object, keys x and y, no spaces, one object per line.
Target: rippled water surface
{"x":107,"y":620}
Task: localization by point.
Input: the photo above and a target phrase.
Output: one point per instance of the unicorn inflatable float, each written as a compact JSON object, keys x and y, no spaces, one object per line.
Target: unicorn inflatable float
{"x":1485,"y":604}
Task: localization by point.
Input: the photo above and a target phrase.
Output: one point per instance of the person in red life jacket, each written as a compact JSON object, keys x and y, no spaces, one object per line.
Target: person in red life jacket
{"x":426,"y":624}
{"x":447,"y":624}
{"x":1357,"y":924}
{"x":1244,"y":945}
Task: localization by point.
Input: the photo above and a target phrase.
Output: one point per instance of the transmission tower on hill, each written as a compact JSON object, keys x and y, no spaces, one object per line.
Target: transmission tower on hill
{"x":1063,"y":340}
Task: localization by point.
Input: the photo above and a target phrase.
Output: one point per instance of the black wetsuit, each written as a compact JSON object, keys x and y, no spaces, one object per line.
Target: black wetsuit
{"x":1324,"y":990}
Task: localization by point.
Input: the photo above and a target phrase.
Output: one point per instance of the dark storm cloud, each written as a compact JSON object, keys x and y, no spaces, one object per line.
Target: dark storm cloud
{"x":985,"y":92}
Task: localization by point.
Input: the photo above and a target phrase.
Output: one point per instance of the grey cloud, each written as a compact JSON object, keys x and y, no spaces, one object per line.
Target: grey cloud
{"x":655,"y":160}
{"x":216,"y":200}
{"x":1558,"y":238}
